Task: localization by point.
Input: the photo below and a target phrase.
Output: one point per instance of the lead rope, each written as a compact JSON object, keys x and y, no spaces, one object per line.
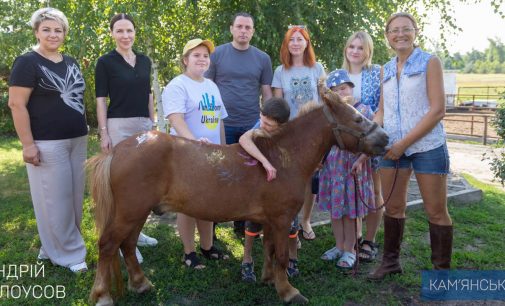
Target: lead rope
{"x":356,"y":245}
{"x":389,"y":195}
{"x":358,"y":194}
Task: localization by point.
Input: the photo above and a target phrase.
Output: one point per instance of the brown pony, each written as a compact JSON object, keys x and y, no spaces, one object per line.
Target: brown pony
{"x":158,"y":172}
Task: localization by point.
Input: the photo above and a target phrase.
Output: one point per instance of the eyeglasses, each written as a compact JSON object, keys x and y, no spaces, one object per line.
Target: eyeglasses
{"x":298,"y":26}
{"x":397,"y":31}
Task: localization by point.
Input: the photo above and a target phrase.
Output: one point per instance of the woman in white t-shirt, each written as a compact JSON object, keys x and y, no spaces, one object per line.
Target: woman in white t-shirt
{"x":194,"y":107}
{"x":295,"y":80}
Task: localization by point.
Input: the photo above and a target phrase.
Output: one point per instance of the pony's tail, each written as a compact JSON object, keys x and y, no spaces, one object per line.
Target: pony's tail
{"x":98,"y":168}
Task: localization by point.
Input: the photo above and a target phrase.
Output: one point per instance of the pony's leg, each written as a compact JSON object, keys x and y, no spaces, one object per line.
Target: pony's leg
{"x":108,"y":263}
{"x":137,"y":281}
{"x":287,"y":292}
{"x":267,"y":275}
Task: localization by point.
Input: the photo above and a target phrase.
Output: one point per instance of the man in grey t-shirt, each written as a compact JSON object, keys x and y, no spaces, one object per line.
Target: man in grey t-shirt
{"x":241,"y":71}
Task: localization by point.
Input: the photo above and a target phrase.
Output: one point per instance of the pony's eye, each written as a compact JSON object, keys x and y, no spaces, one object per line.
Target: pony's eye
{"x":359,"y":119}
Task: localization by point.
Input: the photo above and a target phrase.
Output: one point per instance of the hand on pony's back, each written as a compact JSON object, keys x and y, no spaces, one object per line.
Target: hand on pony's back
{"x":271,"y":171}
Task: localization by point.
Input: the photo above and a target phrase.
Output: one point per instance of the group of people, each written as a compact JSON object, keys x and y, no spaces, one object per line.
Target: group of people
{"x":216,"y":99}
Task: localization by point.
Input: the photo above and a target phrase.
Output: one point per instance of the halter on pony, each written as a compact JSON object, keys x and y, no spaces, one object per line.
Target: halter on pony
{"x":337,"y":129}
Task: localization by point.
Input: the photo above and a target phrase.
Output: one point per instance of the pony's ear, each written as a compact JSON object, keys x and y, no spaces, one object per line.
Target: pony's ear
{"x":323,"y":90}
{"x":321,"y":86}
{"x":327,"y":94}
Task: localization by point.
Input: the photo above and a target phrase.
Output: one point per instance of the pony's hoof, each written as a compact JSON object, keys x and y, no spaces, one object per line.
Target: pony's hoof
{"x":144,"y":287}
{"x":299,"y":299}
{"x":105,"y":301}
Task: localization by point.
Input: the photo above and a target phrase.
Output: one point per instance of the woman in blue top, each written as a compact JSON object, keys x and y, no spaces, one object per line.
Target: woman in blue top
{"x":411,"y":108}
{"x":358,"y":53}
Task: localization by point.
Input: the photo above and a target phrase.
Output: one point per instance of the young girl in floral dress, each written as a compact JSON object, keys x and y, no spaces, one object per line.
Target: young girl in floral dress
{"x":336,"y":187}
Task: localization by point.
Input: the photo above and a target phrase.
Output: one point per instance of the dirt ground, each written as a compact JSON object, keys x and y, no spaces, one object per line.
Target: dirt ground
{"x":463,"y":125}
{"x":470,"y":159}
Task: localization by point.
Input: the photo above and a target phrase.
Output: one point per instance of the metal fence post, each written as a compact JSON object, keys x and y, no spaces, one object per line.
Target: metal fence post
{"x":485,"y":131}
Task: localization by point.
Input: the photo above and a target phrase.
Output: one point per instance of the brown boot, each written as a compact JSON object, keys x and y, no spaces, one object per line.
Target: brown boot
{"x":441,"y":246}
{"x":393,"y":234}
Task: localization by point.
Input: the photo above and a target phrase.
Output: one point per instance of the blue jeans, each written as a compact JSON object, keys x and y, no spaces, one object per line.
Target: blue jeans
{"x":233,"y":133}
{"x":435,"y":161}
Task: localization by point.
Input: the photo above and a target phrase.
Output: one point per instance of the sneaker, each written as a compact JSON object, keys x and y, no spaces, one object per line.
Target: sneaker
{"x":42,"y":255}
{"x":292,"y":269}
{"x":145,"y":240}
{"x":78,"y":268}
{"x":140,"y":259}
{"x":247,"y":271}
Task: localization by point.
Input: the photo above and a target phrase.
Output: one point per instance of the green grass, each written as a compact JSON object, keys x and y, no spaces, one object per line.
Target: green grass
{"x":478,"y":244}
{"x":480,"y":86}
{"x":470,"y":80}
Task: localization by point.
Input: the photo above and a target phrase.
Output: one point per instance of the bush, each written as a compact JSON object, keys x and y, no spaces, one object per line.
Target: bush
{"x":6,"y":123}
{"x":498,"y":160}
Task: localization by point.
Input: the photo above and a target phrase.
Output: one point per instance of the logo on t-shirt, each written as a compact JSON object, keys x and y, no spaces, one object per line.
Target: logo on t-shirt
{"x":211,"y":113}
{"x":71,"y":87}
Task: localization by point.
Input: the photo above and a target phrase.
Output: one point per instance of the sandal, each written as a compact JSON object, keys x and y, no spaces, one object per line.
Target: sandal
{"x":347,"y":261}
{"x":214,"y":253}
{"x":310,"y":235}
{"x":332,"y":254}
{"x":192,"y":261}
{"x":368,"y":255}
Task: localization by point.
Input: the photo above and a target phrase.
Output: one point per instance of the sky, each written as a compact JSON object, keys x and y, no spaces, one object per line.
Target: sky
{"x":478,"y":22}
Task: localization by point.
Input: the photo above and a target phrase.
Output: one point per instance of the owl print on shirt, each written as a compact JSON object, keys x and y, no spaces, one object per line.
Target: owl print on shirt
{"x":301,"y":89}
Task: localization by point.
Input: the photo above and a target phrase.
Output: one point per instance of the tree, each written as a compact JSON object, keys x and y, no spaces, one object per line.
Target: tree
{"x":163,"y":27}
{"x":497,"y":157}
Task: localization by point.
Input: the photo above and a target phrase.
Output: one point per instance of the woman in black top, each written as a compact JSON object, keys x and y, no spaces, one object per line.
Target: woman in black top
{"x":123,"y":75}
{"x":46,"y":98}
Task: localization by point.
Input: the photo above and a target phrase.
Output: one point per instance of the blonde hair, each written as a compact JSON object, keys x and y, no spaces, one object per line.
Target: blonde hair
{"x":397,"y":15}
{"x":401,"y":14}
{"x":367,"y":42}
{"x":49,"y":13}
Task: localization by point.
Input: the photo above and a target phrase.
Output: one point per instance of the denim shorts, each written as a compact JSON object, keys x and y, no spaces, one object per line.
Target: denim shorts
{"x":435,"y":161}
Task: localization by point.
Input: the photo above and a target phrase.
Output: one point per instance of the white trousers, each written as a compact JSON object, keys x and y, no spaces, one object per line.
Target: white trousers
{"x":121,"y":128}
{"x":57,"y":190}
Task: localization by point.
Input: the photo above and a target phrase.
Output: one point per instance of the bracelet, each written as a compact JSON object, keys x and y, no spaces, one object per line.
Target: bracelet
{"x":103,"y":128}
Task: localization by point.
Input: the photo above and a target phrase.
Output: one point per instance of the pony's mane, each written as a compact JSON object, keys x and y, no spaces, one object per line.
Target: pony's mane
{"x":266,"y":141}
{"x":308,"y":107}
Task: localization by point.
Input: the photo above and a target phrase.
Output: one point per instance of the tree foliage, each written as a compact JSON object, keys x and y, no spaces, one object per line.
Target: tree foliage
{"x":163,"y":27}
{"x":491,"y":60}
{"x":497,"y":158}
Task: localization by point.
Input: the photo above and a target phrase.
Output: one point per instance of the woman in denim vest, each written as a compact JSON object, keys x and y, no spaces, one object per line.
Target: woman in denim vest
{"x":358,"y":53}
{"x":411,"y":108}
